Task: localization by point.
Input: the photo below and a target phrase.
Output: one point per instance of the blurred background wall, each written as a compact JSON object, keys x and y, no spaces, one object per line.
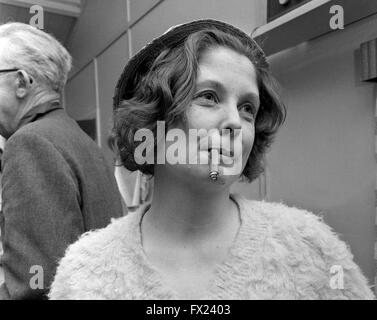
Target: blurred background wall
{"x":323,"y":158}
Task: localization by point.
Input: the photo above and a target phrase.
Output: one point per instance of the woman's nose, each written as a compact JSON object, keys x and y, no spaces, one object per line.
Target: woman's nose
{"x":231,"y":118}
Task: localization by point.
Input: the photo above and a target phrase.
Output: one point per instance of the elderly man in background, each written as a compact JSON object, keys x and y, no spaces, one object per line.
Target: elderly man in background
{"x":56,"y":182}
{"x":1,"y":246}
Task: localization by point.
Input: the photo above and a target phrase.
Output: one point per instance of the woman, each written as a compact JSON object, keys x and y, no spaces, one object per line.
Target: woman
{"x":196,"y":240}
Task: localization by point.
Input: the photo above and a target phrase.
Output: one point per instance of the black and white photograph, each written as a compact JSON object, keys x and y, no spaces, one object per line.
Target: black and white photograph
{"x":188,"y":150}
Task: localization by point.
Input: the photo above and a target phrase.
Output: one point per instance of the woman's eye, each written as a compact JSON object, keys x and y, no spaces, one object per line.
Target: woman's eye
{"x":208,"y":97}
{"x":248,"y":108}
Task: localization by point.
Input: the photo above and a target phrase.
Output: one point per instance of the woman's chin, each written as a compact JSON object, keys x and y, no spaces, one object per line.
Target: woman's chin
{"x":198,"y":175}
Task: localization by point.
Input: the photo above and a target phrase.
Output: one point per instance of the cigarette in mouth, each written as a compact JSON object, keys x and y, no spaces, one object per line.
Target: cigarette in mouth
{"x":214,"y":165}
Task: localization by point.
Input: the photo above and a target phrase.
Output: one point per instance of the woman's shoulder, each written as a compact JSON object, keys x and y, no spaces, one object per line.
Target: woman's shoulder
{"x":302,"y":242}
{"x":296,"y":227}
{"x":89,"y":262}
{"x":103,"y":240}
{"x":280,"y":217}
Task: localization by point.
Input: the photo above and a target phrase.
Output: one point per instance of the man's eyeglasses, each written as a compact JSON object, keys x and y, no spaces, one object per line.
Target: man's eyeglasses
{"x":14,"y":70}
{"x":8,"y":70}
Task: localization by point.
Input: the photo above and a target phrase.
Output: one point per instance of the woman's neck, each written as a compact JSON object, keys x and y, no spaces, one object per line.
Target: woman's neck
{"x":185,"y":214}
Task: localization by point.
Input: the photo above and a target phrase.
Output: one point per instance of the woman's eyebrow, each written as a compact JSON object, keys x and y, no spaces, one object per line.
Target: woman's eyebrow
{"x":210,"y":83}
{"x":253,"y":97}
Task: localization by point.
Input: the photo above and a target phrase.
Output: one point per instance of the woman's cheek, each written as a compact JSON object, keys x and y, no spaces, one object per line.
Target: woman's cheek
{"x":248,"y":137}
{"x":200,"y":118}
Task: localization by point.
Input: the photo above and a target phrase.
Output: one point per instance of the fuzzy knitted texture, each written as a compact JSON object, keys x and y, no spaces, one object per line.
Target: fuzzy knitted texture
{"x":280,"y":252}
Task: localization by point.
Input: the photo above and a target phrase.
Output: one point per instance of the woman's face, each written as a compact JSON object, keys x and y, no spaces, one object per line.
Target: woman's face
{"x":226,"y":97}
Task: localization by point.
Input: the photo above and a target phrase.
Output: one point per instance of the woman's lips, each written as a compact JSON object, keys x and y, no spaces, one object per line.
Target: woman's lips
{"x":226,"y":161}
{"x":224,"y":157}
{"x":223,"y":151}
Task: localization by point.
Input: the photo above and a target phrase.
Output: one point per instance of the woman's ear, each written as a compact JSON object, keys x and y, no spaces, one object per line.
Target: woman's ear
{"x":24,"y":82}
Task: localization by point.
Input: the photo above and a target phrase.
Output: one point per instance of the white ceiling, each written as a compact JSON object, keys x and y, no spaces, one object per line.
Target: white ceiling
{"x":59,"y":15}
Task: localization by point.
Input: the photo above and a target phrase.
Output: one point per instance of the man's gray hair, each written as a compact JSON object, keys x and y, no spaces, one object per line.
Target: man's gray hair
{"x":38,"y":53}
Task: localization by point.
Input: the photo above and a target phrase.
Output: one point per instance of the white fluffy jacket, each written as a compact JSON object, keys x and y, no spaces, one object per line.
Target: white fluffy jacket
{"x":280,"y":253}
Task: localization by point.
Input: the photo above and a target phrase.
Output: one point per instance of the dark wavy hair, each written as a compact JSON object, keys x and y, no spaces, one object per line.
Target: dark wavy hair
{"x":167,"y":89}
